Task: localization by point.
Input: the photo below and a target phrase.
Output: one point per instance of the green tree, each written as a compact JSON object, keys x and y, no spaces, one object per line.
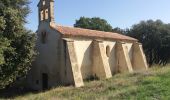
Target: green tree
{"x":16,"y":43}
{"x":155,"y":37}
{"x":95,"y":23}
{"x":120,"y":31}
{"x":4,"y":43}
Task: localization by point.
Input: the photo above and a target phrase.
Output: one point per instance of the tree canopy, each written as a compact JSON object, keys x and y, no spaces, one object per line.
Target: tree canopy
{"x":95,"y":23}
{"x":120,"y":31}
{"x":16,"y":43}
{"x":3,"y":46}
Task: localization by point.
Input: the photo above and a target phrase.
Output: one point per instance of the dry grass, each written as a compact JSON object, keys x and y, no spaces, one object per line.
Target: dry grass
{"x":151,"y":85}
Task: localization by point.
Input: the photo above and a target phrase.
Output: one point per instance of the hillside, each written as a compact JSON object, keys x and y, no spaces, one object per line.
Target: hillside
{"x":151,"y":85}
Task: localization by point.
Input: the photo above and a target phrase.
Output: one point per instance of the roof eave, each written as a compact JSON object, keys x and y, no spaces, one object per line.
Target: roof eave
{"x":102,"y":38}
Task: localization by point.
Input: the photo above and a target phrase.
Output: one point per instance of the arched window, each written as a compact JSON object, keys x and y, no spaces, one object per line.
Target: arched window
{"x":108,"y":50}
{"x":43,"y":37}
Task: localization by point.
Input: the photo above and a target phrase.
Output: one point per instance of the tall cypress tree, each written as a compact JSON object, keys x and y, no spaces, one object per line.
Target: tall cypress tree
{"x":16,"y":43}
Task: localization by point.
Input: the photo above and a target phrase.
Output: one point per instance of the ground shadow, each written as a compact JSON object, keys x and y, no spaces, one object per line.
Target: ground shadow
{"x":11,"y":93}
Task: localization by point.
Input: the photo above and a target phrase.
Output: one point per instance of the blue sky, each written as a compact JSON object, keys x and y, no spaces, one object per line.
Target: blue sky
{"x":119,"y":13}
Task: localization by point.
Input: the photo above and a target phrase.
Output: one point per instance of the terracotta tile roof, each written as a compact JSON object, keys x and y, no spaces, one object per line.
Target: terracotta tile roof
{"x":71,"y":31}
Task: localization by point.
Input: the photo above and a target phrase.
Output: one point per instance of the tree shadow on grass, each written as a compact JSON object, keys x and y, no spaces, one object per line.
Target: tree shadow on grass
{"x":12,"y":93}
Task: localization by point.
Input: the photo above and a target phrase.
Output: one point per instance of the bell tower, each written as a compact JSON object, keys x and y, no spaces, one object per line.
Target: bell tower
{"x":46,"y":11}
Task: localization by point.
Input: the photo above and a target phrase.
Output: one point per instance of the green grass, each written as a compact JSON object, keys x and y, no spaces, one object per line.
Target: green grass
{"x":151,"y":85}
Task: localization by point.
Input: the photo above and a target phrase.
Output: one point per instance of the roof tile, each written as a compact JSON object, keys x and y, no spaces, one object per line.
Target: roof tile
{"x":71,"y":31}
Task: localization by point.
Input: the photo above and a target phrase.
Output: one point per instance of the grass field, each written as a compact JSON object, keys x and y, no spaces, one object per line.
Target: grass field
{"x":151,"y":85}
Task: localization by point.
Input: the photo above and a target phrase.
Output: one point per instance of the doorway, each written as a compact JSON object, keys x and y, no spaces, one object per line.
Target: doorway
{"x":44,"y":81}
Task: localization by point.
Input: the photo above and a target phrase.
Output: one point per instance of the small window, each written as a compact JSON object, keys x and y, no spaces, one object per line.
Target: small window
{"x":43,"y":37}
{"x":108,"y":51}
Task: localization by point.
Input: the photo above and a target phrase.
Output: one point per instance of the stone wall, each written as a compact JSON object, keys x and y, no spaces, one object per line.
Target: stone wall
{"x":94,"y":58}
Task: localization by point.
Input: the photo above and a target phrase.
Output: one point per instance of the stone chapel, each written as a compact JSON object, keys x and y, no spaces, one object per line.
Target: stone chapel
{"x":68,"y":55}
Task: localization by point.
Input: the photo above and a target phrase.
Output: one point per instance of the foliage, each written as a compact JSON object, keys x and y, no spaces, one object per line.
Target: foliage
{"x":155,"y":37}
{"x":17,"y":44}
{"x":120,"y":31}
{"x":4,"y":43}
{"x":95,"y":23}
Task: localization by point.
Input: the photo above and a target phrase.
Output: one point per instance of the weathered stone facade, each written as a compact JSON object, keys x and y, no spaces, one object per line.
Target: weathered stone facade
{"x":68,"y":56}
